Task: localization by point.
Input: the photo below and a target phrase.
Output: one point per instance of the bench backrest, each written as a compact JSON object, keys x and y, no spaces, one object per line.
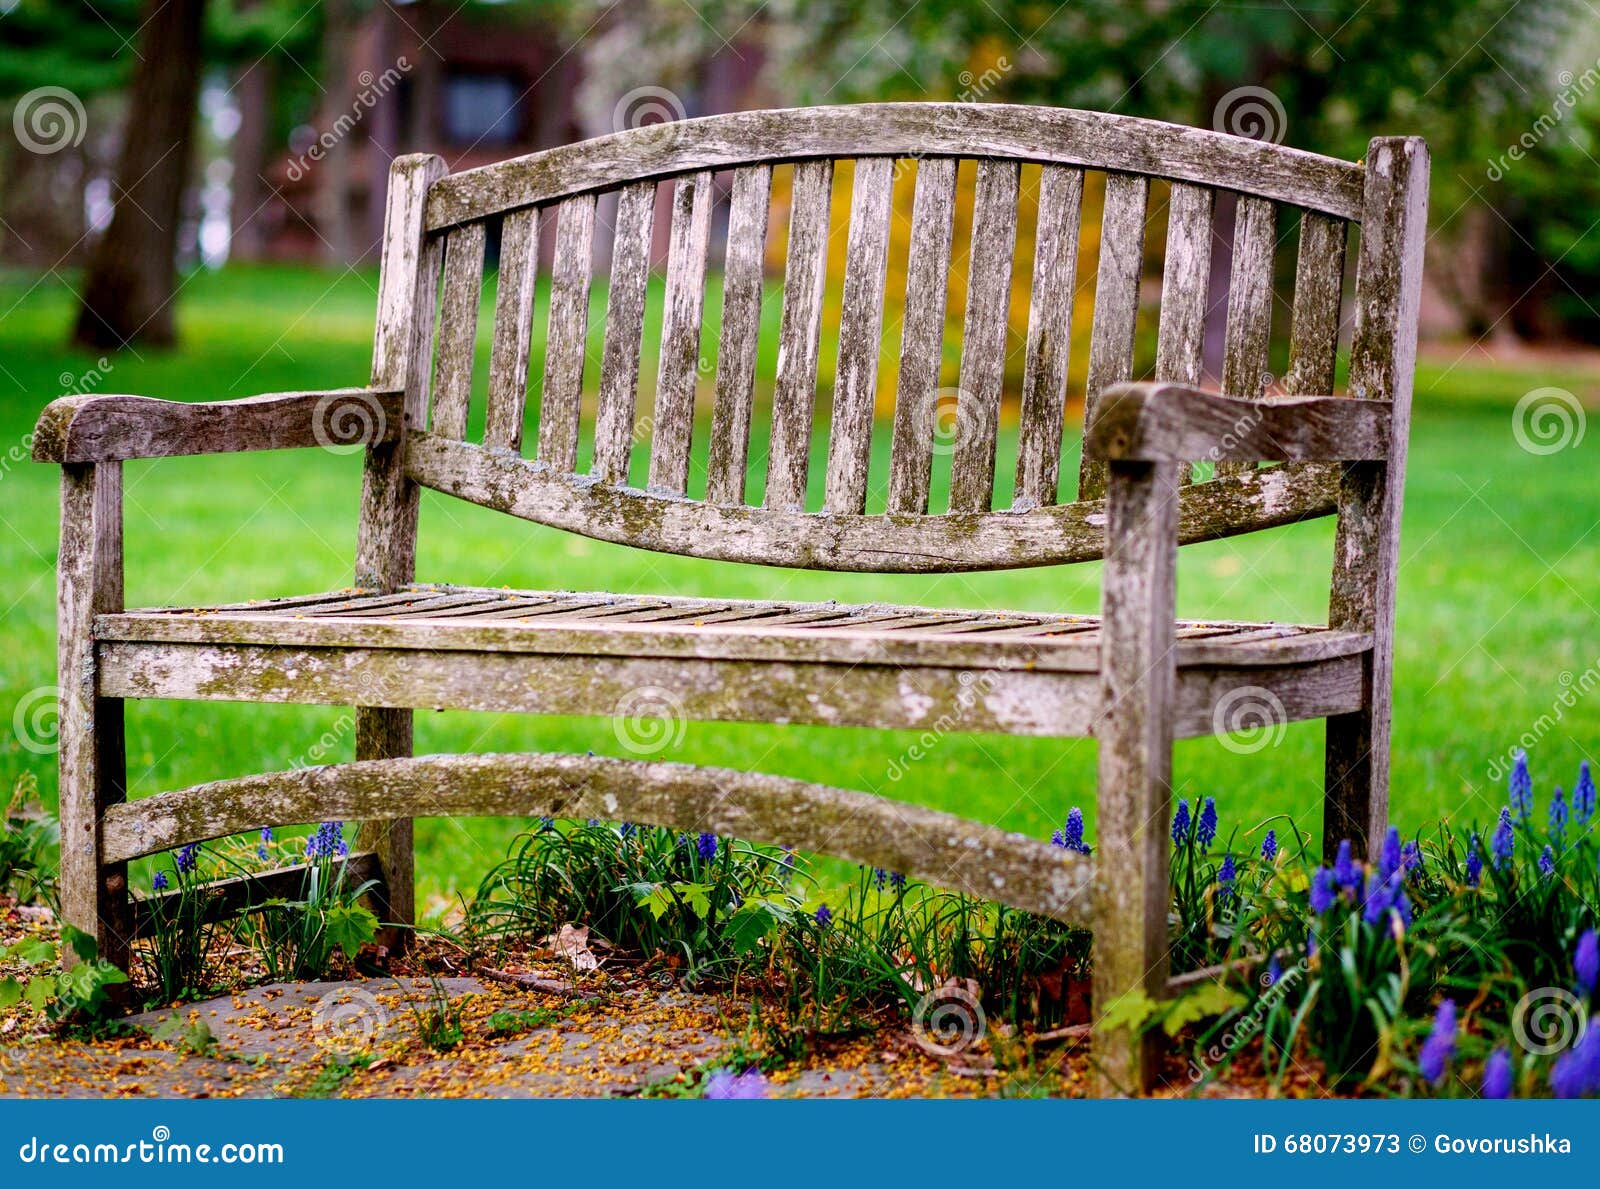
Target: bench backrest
{"x":859,"y":519}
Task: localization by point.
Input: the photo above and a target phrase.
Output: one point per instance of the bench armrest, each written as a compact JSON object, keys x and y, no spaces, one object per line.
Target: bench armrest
{"x":1176,"y":423}
{"x":87,"y":429}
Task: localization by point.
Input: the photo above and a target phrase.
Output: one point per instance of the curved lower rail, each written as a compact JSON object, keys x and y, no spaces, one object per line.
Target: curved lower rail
{"x":937,"y":848}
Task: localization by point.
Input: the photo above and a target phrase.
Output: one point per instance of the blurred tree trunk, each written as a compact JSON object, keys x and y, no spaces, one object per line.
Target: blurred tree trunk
{"x":132,"y":276}
{"x":333,"y":175}
{"x":251,"y":145}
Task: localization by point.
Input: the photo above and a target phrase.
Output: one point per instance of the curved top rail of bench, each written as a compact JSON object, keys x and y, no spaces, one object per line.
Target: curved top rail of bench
{"x":1095,"y":140}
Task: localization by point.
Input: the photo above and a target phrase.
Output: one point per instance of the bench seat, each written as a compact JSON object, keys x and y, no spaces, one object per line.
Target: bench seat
{"x":468,"y":619}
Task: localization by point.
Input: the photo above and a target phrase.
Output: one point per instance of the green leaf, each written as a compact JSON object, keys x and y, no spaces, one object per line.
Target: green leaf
{"x":34,"y":951}
{"x":81,"y":943}
{"x":1133,"y":1009}
{"x":747,"y":928}
{"x":1202,"y":1003}
{"x":350,"y":926}
{"x":39,"y":990}
{"x":10,"y":992}
{"x":696,"y":895}
{"x":658,"y":900}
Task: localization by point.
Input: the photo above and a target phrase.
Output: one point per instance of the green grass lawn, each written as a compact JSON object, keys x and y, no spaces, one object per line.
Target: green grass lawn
{"x":1498,"y":627}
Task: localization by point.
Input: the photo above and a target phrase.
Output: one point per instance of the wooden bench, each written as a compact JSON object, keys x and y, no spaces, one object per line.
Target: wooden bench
{"x":1133,"y":678}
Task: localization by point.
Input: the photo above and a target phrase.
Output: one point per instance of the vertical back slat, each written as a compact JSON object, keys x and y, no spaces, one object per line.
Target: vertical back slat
{"x":860,"y":335}
{"x":983,"y":348}
{"x":458,"y":329}
{"x":513,"y":329}
{"x":795,"y":391}
{"x":1318,"y":292}
{"x":680,"y":335}
{"x":1044,"y":376}
{"x":561,"y":398}
{"x":922,"y":336}
{"x":619,"y":357}
{"x":1244,"y":359}
{"x":741,"y":330}
{"x":1185,"y":289}
{"x":1116,"y":305}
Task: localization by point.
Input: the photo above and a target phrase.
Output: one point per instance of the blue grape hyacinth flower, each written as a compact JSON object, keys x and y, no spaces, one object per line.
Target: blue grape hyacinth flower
{"x":731,"y":1086}
{"x":1474,"y":863}
{"x":1504,"y":840}
{"x":1520,"y":787}
{"x":1558,"y":816}
{"x":1324,"y":890}
{"x":1205,"y":831}
{"x":158,"y":882}
{"x":187,"y":858}
{"x":1547,"y":862}
{"x":1440,"y":1046}
{"x":1346,"y":871}
{"x":1180,"y":822}
{"x":1390,"y":854}
{"x":1576,"y":1073}
{"x":1586,"y":962}
{"x":1583,"y":794}
{"x":1269,"y":846}
{"x":706,"y":845}
{"x":824,"y":914}
{"x":1227,"y":876}
{"x":1070,"y":836}
{"x":1497,"y":1075}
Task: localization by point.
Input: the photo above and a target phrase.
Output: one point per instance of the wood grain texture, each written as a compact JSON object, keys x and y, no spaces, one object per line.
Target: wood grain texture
{"x":742,"y":273}
{"x":91,"y":757}
{"x":85,"y":429}
{"x":1318,"y":294}
{"x":1173,"y":422}
{"x":1366,"y":549}
{"x":458,"y":329}
{"x":855,"y":383}
{"x":1044,"y":377}
{"x":894,"y":543}
{"x":1116,"y":306}
{"x":673,"y":422}
{"x":408,"y":294}
{"x":602,"y":625}
{"x":1138,"y":688}
{"x":983,"y":344}
{"x":887,"y":697}
{"x":1185,"y":290}
{"x":922,"y":335}
{"x":513,"y":331}
{"x":386,"y":536}
{"x":799,"y":334}
{"x":1245,"y":361}
{"x":944,"y":850}
{"x":1095,"y":140}
{"x":561,"y":397}
{"x":620,"y":356}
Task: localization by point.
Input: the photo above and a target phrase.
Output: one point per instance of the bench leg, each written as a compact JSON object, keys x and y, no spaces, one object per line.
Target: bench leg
{"x":1134,"y":738}
{"x":1356,"y":801}
{"x":91,"y":746}
{"x":385,"y":734}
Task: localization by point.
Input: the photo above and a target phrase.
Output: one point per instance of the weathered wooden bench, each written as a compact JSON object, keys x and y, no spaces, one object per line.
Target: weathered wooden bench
{"x":1133,"y":678}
